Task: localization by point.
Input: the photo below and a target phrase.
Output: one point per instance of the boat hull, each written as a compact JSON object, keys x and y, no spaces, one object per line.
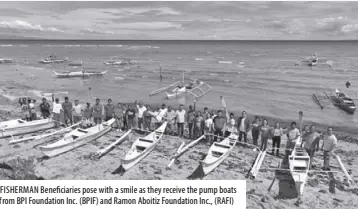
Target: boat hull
{"x":67,"y":143}
{"x":28,"y":127}
{"x":148,"y":143}
{"x":177,"y":93}
{"x":78,"y":74}
{"x":223,"y":148}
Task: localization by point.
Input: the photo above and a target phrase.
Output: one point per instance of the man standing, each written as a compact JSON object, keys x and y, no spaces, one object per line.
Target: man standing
{"x":243,"y":125}
{"x":109,"y":110}
{"x":191,"y":120}
{"x":329,"y":143}
{"x":57,"y":110}
{"x":130,"y":115}
{"x":205,"y":116}
{"x":97,"y":112}
{"x":88,"y":112}
{"x":45,"y":108}
{"x":180,"y":118}
{"x":33,"y":115}
{"x":67,"y":111}
{"x":141,"y":109}
{"x":118,"y":115}
{"x":77,"y":112}
{"x":312,"y":138}
{"x":218,"y":125}
{"x":292,"y":135}
{"x":170,"y":117}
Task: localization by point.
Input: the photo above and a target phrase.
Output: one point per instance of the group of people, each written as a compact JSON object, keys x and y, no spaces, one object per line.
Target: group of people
{"x":216,"y":125}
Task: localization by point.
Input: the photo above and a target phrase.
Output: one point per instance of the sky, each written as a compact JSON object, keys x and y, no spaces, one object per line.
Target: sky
{"x":180,"y":20}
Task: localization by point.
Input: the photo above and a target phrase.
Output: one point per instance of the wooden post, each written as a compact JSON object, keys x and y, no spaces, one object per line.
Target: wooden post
{"x":300,"y":118}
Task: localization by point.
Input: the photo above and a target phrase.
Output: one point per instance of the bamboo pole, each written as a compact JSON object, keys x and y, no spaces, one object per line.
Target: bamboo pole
{"x":349,"y":178}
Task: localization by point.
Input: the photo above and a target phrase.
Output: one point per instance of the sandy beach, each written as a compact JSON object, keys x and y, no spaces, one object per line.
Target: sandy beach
{"x":80,"y":165}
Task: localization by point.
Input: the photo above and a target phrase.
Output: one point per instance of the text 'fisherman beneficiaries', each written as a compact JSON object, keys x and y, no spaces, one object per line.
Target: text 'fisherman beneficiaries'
{"x":226,"y":194}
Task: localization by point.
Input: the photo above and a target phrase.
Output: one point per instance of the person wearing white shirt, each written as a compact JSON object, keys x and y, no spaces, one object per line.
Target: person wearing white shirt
{"x":180,"y":118}
{"x":161,"y":113}
{"x":77,"y":112}
{"x":170,"y":117}
{"x":329,"y":144}
{"x":208,"y":127}
{"x":57,"y":110}
{"x":141,"y":109}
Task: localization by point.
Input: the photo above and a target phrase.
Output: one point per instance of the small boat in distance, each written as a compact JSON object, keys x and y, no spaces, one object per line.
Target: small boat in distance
{"x":6,"y":60}
{"x":344,"y":102}
{"x":75,"y":64}
{"x":53,"y":59}
{"x":85,"y":73}
{"x":119,"y":61}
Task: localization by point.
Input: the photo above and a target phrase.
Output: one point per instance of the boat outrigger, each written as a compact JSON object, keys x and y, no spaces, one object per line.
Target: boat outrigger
{"x":196,"y":88}
{"x":320,"y":100}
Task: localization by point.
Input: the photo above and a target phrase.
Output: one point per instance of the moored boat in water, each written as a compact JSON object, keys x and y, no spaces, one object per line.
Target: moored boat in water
{"x":344,"y":102}
{"x":53,"y":59}
{"x":85,"y":73}
{"x":6,"y":60}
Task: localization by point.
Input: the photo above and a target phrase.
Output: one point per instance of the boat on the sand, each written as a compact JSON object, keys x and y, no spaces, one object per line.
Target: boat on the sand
{"x":86,"y":73}
{"x":344,"y":102}
{"x":25,"y":127}
{"x":142,"y":147}
{"x":77,"y":138}
{"x":43,"y":136}
{"x":9,"y":123}
{"x":217,"y":153}
{"x":299,"y":165}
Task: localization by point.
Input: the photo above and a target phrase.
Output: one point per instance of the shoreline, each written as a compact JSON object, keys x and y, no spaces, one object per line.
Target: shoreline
{"x":10,"y":109}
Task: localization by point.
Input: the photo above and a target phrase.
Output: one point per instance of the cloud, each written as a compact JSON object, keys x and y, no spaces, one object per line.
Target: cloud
{"x":23,"y":25}
{"x":98,"y":32}
{"x":148,"y":25}
{"x":350,"y":28}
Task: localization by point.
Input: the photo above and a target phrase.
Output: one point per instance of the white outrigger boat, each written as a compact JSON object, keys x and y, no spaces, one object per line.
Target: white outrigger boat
{"x":6,"y":61}
{"x":218,"y":152}
{"x":142,"y":147}
{"x":77,"y":138}
{"x":196,"y":88}
{"x":42,"y":136}
{"x":20,"y":127}
{"x":299,"y":164}
{"x":85,"y":73}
